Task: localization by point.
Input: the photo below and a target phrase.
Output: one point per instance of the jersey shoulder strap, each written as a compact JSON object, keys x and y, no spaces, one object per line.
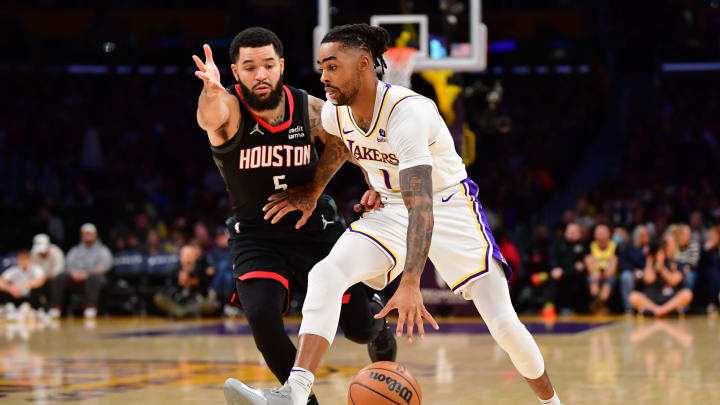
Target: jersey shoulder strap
{"x":302,"y":107}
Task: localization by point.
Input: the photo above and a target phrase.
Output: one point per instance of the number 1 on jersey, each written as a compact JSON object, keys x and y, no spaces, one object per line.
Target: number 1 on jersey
{"x":278,"y":185}
{"x":386,"y":177}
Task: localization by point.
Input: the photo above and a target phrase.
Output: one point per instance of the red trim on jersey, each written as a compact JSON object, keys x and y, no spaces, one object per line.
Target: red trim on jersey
{"x":267,"y":275}
{"x":285,"y":125}
{"x":346,"y":298}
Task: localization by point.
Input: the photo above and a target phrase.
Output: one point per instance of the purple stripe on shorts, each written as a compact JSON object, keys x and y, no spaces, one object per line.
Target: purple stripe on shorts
{"x":489,"y":238}
{"x":469,"y":279}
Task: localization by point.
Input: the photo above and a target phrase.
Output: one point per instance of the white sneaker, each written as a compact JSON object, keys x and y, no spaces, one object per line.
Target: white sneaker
{"x":90,"y":313}
{"x":231,"y":311}
{"x":11,"y":314}
{"x":41,"y":315}
{"x":25,"y":310}
{"x":54,"y":313}
{"x":237,"y":393}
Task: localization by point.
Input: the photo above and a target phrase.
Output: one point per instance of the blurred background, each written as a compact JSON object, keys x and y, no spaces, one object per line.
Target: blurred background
{"x":589,"y":113}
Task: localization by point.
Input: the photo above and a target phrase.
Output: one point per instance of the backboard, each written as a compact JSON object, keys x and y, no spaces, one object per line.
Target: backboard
{"x":448,"y":34}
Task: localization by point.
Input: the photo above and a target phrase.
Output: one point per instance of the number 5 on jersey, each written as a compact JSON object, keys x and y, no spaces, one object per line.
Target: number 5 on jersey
{"x":278,"y":185}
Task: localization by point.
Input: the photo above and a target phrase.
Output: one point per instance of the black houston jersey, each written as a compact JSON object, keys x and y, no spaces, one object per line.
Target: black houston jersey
{"x":261,"y":159}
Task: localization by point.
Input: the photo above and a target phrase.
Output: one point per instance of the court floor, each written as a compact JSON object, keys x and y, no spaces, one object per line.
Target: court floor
{"x":624,"y":360}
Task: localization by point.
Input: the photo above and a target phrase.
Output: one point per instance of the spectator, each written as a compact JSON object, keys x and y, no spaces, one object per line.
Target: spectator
{"x":535,"y":286}
{"x":155,"y":244}
{"x":219,"y":258}
{"x":50,"y":258}
{"x":632,"y":262}
{"x":87,"y":263}
{"x":201,"y":235}
{"x":699,"y":232}
{"x":126,"y":281}
{"x":602,"y":266}
{"x":709,"y":274}
{"x":568,"y":276}
{"x":688,"y":255}
{"x":189,"y":296}
{"x":20,"y":285}
{"x":663,"y":289}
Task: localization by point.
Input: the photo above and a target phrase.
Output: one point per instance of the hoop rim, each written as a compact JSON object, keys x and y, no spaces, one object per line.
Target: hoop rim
{"x":399,"y":56}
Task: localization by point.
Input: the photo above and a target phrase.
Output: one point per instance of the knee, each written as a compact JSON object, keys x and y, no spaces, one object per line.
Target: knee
{"x":262,"y":312}
{"x":514,"y":338}
{"x":503,"y":324}
{"x":327,"y":279}
{"x":634,"y":298}
{"x":686,"y":295}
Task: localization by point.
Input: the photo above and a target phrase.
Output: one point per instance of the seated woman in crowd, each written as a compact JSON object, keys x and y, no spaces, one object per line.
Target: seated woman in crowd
{"x":663,"y":287}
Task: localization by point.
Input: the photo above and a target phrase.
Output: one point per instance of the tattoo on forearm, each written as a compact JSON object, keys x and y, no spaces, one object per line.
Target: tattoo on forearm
{"x":416,"y":186}
{"x":332,"y":158}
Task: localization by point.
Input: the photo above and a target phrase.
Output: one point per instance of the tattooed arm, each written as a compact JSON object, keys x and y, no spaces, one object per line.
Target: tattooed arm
{"x":412,"y":127}
{"x":416,"y":186}
{"x":334,"y":153}
{"x":333,"y":156}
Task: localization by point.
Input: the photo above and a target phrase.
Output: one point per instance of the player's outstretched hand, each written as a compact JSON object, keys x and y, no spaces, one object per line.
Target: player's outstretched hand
{"x":208,"y":72}
{"x":369,"y":201}
{"x":295,"y":198}
{"x":411,"y":311}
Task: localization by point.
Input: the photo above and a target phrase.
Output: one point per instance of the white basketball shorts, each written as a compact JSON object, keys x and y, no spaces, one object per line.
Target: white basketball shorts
{"x":462,"y":244}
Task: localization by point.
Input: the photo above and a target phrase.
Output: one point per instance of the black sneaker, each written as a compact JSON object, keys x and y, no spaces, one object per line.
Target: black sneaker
{"x":384,"y":347}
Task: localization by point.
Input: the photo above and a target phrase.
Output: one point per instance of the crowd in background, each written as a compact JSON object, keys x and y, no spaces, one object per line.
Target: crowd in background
{"x":663,"y":203}
{"x":188,"y":275}
{"x":644,"y":240}
{"x":121,"y":156}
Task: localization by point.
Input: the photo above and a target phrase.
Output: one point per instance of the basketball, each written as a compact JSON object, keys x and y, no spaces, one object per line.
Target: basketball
{"x":384,"y":383}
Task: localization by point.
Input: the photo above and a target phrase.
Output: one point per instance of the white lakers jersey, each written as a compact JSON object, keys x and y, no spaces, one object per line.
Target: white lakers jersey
{"x":407,"y":130}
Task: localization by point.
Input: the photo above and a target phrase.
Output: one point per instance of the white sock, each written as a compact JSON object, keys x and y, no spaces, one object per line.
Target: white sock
{"x":552,"y":401}
{"x":301,"y":381}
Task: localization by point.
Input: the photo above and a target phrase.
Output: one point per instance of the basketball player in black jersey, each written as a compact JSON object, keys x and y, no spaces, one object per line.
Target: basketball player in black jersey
{"x":262,"y":136}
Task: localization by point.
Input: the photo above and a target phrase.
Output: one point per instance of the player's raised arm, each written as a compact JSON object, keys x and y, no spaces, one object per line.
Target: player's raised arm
{"x":214,"y":104}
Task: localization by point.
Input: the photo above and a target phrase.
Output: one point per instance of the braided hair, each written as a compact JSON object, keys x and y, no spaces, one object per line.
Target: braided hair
{"x":372,"y":39}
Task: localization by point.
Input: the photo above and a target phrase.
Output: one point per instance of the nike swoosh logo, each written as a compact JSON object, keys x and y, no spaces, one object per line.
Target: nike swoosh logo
{"x":347,"y":132}
{"x":448,"y":199}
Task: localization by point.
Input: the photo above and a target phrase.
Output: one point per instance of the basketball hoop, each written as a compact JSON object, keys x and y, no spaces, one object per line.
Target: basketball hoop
{"x":400,"y":64}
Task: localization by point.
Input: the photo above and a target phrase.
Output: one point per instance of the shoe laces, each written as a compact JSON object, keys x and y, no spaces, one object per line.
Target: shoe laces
{"x":280,"y":392}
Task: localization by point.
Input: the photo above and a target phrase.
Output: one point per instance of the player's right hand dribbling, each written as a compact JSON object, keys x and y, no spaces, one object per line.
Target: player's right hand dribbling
{"x":209,"y":73}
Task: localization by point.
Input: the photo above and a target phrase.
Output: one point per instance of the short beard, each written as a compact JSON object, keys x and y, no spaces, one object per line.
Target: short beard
{"x":346,"y":98}
{"x":270,"y":101}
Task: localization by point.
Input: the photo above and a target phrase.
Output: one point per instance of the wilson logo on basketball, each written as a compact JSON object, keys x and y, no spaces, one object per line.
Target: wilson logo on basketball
{"x":393,"y":385}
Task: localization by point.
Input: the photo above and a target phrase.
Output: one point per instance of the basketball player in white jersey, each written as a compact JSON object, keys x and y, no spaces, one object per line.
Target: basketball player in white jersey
{"x":430,"y":209}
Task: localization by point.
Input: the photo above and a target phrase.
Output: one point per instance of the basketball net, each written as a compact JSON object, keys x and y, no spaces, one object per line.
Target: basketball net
{"x":400,"y":64}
